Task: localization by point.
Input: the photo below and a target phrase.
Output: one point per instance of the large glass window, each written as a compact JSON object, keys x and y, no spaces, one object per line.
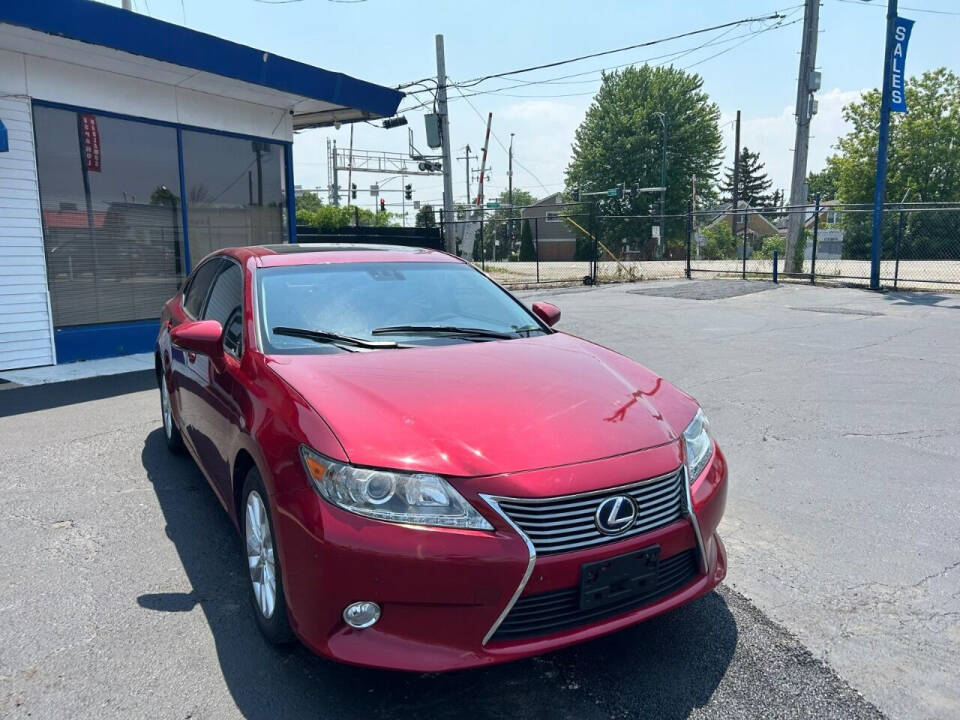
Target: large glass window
{"x":235,"y":192}
{"x":109,"y":191}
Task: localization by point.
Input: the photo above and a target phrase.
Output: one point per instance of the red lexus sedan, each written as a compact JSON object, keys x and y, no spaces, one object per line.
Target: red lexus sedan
{"x":427,"y":476}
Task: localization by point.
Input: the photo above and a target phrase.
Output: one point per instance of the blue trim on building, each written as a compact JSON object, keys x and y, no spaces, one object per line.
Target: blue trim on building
{"x":90,"y":342}
{"x":100,"y":24}
{"x":291,"y":195}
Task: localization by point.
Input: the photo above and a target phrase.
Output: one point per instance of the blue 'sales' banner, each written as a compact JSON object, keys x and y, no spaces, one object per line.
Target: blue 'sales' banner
{"x":896,"y":79}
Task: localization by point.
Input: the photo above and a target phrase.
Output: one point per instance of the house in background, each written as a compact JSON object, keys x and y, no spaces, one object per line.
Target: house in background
{"x":829,"y":235}
{"x":553,"y":235}
{"x":758,"y":226}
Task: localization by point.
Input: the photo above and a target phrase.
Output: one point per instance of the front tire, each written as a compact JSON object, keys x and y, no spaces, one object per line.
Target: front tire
{"x":266,"y":578}
{"x":171,"y":432}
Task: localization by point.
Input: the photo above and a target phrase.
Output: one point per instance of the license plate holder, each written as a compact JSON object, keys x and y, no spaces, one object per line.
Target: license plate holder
{"x":610,"y":581}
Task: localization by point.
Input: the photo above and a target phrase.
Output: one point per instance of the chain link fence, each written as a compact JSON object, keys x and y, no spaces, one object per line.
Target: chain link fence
{"x":573,"y":243}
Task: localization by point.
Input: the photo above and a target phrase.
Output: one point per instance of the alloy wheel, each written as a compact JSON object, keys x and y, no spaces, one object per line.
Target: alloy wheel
{"x":165,"y":407}
{"x":260,"y":557}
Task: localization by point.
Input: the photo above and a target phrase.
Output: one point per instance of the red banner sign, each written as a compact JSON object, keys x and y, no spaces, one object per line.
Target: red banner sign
{"x":91,"y":142}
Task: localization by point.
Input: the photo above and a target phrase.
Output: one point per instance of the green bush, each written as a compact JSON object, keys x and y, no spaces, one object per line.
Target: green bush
{"x":720,"y":243}
{"x":768,"y":245}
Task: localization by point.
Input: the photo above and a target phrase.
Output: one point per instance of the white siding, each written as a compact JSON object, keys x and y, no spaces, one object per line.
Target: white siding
{"x":25,"y":328}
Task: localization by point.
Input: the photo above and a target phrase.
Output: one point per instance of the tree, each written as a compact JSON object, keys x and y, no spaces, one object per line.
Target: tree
{"x":823,"y":182}
{"x":425,"y":217}
{"x":619,"y":140}
{"x":327,"y":218}
{"x":501,"y":227}
{"x":308,"y":202}
{"x":720,"y":244}
{"x":752,"y":181}
{"x":923,"y":158}
{"x":528,"y":251}
{"x":162,"y":195}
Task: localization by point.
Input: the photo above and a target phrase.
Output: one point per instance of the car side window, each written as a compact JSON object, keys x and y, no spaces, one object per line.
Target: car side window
{"x":233,"y":333}
{"x":225,"y":303}
{"x":198,"y":287}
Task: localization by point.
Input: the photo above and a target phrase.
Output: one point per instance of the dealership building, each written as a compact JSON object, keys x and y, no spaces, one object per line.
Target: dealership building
{"x":129,"y":149}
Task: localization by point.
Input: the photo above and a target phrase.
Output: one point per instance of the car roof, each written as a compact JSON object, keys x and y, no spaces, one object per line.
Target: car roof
{"x":325,"y":253}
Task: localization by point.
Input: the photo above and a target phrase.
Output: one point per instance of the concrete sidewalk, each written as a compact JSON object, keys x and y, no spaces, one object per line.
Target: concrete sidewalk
{"x":78,"y":370}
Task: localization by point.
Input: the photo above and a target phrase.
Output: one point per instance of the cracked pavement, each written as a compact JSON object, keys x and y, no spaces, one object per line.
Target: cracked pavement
{"x":837,"y":409}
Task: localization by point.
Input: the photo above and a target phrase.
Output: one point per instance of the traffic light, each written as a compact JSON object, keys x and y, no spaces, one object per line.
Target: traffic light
{"x":383,"y":205}
{"x":408,"y":191}
{"x":575,"y":194}
{"x":353,"y":191}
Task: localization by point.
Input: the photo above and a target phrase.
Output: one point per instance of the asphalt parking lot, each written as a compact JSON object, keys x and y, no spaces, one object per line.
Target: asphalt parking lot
{"x":122,"y":588}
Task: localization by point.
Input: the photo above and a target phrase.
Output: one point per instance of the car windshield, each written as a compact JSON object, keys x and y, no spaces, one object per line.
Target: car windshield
{"x":396,"y":304}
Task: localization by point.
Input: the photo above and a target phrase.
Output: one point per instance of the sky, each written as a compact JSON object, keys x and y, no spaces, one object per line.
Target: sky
{"x":751,"y":67}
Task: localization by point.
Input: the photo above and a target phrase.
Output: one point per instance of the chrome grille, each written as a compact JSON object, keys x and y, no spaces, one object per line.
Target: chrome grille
{"x":563,"y":523}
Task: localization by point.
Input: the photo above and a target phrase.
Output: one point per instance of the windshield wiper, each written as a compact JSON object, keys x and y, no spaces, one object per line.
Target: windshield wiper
{"x":325,"y":336}
{"x":528,"y":329}
{"x":442,"y":330}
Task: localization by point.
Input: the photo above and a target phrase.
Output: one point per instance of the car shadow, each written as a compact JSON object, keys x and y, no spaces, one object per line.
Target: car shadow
{"x":669,"y":666}
{"x":31,"y":398}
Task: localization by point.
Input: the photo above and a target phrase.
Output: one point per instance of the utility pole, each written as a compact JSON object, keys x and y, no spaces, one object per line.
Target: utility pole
{"x":807,"y":82}
{"x":350,"y":170}
{"x":510,"y":173}
{"x":335,"y":198}
{"x":663,"y":183}
{"x":466,"y":156}
{"x":735,"y":194}
{"x":483,"y":159}
{"x":444,"y":130}
{"x":693,"y":211}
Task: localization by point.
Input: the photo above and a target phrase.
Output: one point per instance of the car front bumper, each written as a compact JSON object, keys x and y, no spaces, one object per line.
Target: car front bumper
{"x":443,"y":592}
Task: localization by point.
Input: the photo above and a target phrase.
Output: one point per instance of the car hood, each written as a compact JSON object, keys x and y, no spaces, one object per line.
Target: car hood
{"x":487,"y":408}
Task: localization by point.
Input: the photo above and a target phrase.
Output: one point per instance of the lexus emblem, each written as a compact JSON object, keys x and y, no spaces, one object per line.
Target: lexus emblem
{"x":615,"y":515}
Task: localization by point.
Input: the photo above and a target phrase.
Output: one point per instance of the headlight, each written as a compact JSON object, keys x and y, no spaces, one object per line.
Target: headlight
{"x":417,"y":499}
{"x":698,"y":444}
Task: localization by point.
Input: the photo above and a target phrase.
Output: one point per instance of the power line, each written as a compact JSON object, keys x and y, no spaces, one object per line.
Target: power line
{"x":648,"y":43}
{"x":746,"y":37}
{"x":775,"y":15}
{"x":734,"y":47}
{"x":718,"y":40}
{"x":500,"y":142}
{"x":865,"y":3}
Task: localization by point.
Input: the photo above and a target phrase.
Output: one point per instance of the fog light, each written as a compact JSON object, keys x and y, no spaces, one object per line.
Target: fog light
{"x":361,"y":614}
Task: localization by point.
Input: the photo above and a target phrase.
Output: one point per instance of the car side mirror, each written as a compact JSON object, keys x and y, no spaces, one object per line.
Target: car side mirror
{"x":548,"y":312}
{"x":201,"y":336}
